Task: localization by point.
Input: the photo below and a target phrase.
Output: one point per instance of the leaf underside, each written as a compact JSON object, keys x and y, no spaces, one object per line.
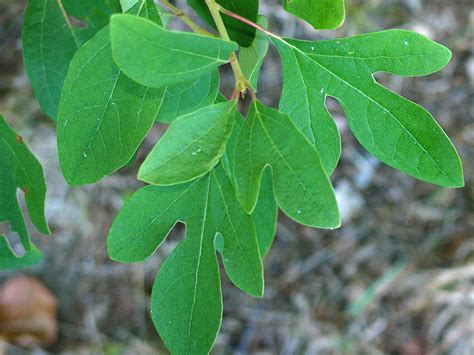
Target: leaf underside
{"x":20,"y":170}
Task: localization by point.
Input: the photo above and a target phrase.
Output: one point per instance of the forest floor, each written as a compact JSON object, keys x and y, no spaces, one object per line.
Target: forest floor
{"x":397,"y":277}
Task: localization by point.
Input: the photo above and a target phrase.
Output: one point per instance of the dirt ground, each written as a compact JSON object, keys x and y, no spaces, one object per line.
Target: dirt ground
{"x":397,"y":278}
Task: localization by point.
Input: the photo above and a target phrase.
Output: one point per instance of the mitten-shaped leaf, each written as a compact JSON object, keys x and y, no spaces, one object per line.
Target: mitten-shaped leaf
{"x":186,"y":300}
{"x":186,"y":98}
{"x":251,"y":58}
{"x":302,"y":189}
{"x":394,"y":129}
{"x":104,"y":116}
{"x":321,"y":14}
{"x":20,"y":170}
{"x":155,"y":57}
{"x":265,"y":213}
{"x":50,"y":41}
{"x":191,"y":147}
{"x":238,"y":31}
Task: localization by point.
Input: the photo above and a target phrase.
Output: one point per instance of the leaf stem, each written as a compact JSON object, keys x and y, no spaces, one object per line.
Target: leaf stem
{"x":186,"y":19}
{"x":241,"y":82}
{"x":246,"y":21}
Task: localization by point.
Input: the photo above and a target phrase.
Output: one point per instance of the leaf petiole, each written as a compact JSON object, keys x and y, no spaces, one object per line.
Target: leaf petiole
{"x":245,"y":20}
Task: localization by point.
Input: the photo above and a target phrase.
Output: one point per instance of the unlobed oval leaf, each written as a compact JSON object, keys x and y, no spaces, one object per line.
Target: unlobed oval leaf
{"x":104,"y":116}
{"x":191,"y":147}
{"x":156,"y":57}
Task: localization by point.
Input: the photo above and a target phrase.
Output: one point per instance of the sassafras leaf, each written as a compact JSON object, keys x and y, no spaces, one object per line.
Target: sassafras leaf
{"x":191,"y":146}
{"x":104,"y":116}
{"x":302,"y":189}
{"x":321,"y":14}
{"x":186,"y":298}
{"x":155,"y":57}
{"x":394,"y":129}
{"x":187,"y":98}
{"x":50,"y":41}
{"x":20,"y":170}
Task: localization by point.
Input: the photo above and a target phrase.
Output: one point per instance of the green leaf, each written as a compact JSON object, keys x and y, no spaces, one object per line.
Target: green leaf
{"x":10,"y":261}
{"x":394,"y":129}
{"x":191,"y":147}
{"x":321,"y":14}
{"x":156,"y":57}
{"x":265,"y":214}
{"x":47,"y":51}
{"x":251,"y":58}
{"x":147,"y":9}
{"x":187,"y":98}
{"x":104,"y":116}
{"x":302,"y":188}
{"x":20,"y":170}
{"x":50,"y":41}
{"x":238,"y":31}
{"x":186,"y":298}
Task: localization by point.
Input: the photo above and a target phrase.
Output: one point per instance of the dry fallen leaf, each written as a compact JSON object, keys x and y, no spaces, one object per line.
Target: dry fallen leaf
{"x":27,"y":313}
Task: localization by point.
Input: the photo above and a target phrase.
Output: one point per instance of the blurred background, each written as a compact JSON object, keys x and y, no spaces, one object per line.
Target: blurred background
{"x":397,"y":278}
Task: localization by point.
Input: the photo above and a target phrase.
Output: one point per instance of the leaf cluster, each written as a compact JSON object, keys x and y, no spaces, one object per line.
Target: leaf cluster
{"x":222,"y":176}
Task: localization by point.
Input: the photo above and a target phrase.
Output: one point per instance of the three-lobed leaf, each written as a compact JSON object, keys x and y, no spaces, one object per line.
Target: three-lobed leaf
{"x":156,"y":57}
{"x":191,"y":146}
{"x":302,"y":189}
{"x":186,"y":299}
{"x":394,"y":129}
{"x":20,"y":170}
{"x":321,"y":14}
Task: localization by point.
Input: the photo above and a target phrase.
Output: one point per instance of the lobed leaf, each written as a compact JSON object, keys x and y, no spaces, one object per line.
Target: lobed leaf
{"x":103,"y":117}
{"x":186,"y":298}
{"x":238,"y":31}
{"x":191,"y":147}
{"x":20,"y":170}
{"x":155,"y":57}
{"x":302,"y":188}
{"x":394,"y":129}
{"x":321,"y":14}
